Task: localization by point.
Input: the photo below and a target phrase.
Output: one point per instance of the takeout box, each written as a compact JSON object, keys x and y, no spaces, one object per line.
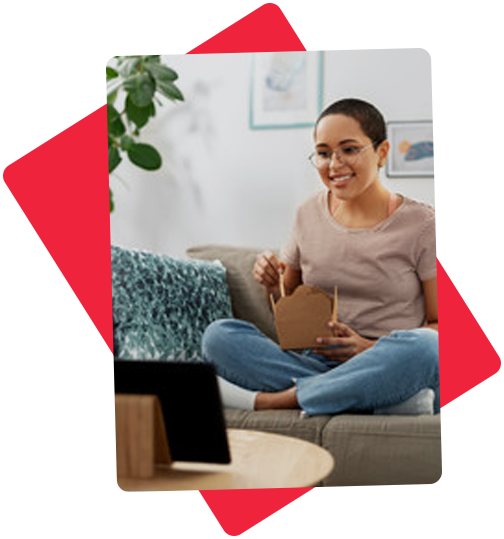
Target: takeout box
{"x":303,"y":316}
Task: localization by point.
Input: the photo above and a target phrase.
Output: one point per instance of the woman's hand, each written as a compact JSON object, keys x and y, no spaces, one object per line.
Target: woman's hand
{"x":348,"y":342}
{"x":267,"y":270}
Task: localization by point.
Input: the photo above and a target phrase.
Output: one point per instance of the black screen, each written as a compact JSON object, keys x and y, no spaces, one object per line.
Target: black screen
{"x":190,"y":401}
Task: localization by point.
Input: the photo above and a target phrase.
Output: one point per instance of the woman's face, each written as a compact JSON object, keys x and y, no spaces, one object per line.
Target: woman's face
{"x":348,"y":177}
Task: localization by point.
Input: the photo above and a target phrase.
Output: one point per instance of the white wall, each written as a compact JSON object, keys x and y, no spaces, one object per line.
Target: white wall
{"x":223,"y":182}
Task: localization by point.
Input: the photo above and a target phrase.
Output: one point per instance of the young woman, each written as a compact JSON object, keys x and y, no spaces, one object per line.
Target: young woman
{"x":379,"y":249}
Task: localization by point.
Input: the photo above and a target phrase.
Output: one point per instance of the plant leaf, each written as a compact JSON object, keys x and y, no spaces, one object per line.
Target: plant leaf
{"x":114,"y":122}
{"x":127,"y":142}
{"x":141,"y":88}
{"x":130,"y":65}
{"x":111,"y":73}
{"x":145,"y":156}
{"x":111,"y":98}
{"x":138,"y":115}
{"x":111,"y":200}
{"x":169,"y":90}
{"x":114,"y":84}
{"x":161,"y":72}
{"x":113,"y":158}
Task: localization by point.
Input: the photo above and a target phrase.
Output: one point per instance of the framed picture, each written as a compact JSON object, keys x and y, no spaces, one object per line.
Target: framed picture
{"x":446,"y":149}
{"x":285,"y":89}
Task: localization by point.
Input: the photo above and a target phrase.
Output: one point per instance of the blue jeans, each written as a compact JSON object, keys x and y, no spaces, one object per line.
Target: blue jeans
{"x":390,"y":372}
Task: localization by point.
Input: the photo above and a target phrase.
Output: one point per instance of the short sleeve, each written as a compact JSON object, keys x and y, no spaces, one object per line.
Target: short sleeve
{"x":426,"y":251}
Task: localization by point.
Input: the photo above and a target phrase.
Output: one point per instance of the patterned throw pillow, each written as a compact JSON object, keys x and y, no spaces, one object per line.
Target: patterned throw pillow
{"x":161,"y":305}
{"x":248,"y":300}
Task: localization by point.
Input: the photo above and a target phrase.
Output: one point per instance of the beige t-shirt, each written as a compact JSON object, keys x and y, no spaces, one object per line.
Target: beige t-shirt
{"x":378,"y":271}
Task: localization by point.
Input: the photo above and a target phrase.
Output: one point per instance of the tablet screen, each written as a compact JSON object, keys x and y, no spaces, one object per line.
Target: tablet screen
{"x":190,"y":401}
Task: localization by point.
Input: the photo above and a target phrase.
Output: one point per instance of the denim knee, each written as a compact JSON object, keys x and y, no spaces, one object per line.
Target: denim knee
{"x":214,"y":340}
{"x":423,"y":344}
{"x":427,"y":342}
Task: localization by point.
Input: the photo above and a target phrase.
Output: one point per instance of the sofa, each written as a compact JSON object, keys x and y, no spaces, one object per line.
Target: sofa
{"x":152,"y":321}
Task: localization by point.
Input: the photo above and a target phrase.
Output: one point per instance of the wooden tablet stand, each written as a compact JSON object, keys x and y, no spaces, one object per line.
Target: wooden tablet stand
{"x":141,"y":440}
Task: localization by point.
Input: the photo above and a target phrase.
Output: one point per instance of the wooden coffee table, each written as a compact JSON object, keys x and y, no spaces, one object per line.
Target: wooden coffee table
{"x":259,"y":460}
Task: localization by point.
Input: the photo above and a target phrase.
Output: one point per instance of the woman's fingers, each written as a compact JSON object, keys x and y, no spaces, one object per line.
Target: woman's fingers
{"x":336,"y":353}
{"x":344,"y":338}
{"x":336,"y":348}
{"x":267,"y":268}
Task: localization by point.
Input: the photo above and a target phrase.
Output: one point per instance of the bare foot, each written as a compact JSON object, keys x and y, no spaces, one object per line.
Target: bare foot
{"x":279,"y":400}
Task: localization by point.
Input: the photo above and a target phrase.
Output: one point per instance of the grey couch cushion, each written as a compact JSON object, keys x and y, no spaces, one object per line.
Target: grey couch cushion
{"x":367,"y":449}
{"x":248,"y":299}
{"x":384,"y":450}
{"x":287,"y":422}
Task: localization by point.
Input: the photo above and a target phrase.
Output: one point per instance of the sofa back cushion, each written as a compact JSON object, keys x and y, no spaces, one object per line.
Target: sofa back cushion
{"x":248,"y":299}
{"x":162,"y":305}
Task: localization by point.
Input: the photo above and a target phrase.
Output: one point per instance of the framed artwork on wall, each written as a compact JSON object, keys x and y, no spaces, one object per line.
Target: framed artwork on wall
{"x":285,"y":89}
{"x":446,"y":149}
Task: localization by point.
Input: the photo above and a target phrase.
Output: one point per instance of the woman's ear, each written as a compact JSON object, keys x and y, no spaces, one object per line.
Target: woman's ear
{"x":383,"y":150}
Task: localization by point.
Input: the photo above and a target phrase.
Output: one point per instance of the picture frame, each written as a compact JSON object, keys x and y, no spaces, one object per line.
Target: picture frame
{"x":285,"y":89}
{"x":444,"y":149}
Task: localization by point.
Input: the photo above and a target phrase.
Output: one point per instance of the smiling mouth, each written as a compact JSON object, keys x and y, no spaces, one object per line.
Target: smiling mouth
{"x":341,"y":180}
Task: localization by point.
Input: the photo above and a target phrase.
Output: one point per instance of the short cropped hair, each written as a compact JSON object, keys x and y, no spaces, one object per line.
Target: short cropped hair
{"x":369,"y":117}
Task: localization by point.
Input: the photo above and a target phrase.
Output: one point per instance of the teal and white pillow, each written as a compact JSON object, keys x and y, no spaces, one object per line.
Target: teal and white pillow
{"x":162,"y":305}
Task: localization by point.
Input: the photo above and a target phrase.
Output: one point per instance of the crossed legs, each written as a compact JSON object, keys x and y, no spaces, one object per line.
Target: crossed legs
{"x":393,"y":370}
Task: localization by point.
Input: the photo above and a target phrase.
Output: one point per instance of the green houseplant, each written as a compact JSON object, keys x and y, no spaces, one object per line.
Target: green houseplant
{"x":135,"y":82}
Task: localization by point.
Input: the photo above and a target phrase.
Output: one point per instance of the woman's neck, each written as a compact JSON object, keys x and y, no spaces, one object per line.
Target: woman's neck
{"x":365,"y":211}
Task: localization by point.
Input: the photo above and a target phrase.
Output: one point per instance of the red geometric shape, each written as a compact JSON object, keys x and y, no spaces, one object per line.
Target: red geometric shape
{"x":59,"y":205}
{"x":239,"y":510}
{"x":471,"y":354}
{"x":265,"y":29}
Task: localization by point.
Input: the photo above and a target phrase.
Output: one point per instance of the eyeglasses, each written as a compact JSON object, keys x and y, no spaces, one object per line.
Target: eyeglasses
{"x":346,"y":155}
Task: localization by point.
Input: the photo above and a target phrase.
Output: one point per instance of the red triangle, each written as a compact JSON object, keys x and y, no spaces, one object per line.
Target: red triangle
{"x":239,"y":510}
{"x":67,"y":249}
{"x":468,"y":358}
{"x":265,"y":29}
